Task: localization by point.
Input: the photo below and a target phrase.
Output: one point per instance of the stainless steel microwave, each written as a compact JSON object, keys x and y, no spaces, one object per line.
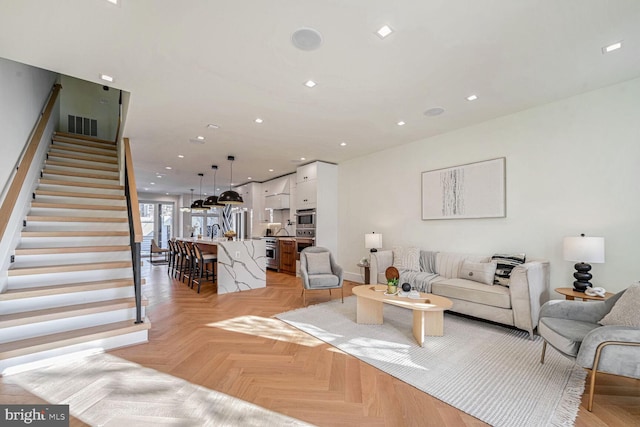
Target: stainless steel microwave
{"x":305,"y":218}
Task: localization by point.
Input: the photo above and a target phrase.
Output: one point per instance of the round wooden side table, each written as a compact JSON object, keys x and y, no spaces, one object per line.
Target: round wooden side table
{"x":570,"y":294}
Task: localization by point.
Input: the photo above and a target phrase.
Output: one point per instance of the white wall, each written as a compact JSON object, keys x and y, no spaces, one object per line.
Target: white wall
{"x":23,"y":92}
{"x":572,"y":167}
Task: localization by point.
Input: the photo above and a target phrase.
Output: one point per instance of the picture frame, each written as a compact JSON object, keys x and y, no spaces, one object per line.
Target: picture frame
{"x":472,"y":190}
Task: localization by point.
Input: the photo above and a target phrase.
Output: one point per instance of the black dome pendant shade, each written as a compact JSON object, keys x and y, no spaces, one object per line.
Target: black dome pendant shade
{"x":230,"y":197}
{"x":198,"y":204}
{"x":212,"y":201}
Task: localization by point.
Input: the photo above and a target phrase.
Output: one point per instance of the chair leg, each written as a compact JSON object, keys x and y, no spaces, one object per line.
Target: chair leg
{"x":342,"y":294}
{"x":304,"y":298}
{"x":544,"y":349}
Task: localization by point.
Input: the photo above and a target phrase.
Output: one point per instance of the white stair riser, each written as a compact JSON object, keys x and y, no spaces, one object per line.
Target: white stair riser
{"x":53,"y":242}
{"x":94,"y":152}
{"x":77,"y":212}
{"x":80,"y":162}
{"x":78,"y":143}
{"x":79,"y":168}
{"x":51,"y":301}
{"x":54,"y":226}
{"x":80,"y":189}
{"x":79,"y":178}
{"x":42,"y":198}
{"x":31,"y":281}
{"x":67,"y":324}
{"x":34,"y":360}
{"x":24,"y":261}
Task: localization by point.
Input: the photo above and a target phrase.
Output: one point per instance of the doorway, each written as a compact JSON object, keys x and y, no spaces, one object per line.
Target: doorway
{"x":157,"y":223}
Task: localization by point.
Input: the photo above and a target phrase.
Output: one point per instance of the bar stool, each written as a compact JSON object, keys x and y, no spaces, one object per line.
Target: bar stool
{"x":201,"y":261}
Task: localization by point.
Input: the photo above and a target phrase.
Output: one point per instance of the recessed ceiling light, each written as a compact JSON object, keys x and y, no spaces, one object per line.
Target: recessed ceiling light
{"x":258,"y":120}
{"x":212,"y":126}
{"x":166,"y":194}
{"x":270,"y":170}
{"x":146,"y":189}
{"x":168,"y":168}
{"x":472,"y":97}
{"x":310,"y":83}
{"x":152,"y":183}
{"x":401,"y":123}
{"x":106,"y":78}
{"x":435,"y":111}
{"x":342,"y":144}
{"x":384,"y":31}
{"x":158,"y":176}
{"x":303,"y":158}
{"x":249,"y":177}
{"x":612,"y":47}
{"x":180,"y":156}
{"x":113,"y":1}
{"x":201,"y":138}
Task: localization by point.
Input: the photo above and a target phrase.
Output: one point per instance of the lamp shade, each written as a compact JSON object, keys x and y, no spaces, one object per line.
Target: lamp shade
{"x":373,"y":241}
{"x":584,"y":249}
{"x":230,"y":198}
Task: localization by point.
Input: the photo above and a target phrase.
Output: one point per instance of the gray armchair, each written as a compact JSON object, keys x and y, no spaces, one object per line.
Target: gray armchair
{"x":319,"y":270}
{"x":572,"y":328}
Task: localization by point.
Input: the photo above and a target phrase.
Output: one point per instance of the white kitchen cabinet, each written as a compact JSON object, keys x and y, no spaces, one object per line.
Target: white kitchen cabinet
{"x":306,"y":194}
{"x":307,"y":172}
{"x":276,"y":186}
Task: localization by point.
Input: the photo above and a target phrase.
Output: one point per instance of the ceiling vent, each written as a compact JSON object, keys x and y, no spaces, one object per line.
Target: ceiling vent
{"x":306,"y":39}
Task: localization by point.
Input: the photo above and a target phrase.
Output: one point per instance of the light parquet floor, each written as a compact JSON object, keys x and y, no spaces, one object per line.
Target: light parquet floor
{"x":230,"y":343}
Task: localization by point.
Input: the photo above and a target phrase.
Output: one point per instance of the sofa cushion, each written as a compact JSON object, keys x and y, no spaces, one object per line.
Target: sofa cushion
{"x":625,"y":311}
{"x":506,"y":263}
{"x":566,"y":335}
{"x":467,"y":290}
{"x":318,"y":263}
{"x":323,"y":280}
{"x":481,"y":272}
{"x":406,"y":258}
{"x":448,"y":263}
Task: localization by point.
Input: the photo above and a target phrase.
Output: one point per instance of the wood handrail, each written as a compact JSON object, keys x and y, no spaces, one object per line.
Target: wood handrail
{"x":25,"y":164}
{"x":133,"y":192}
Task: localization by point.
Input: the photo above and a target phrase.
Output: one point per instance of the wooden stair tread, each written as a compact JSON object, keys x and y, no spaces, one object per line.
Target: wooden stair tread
{"x":81,"y":157}
{"x":77,"y":206}
{"x":80,"y":174}
{"x":46,"y":181}
{"x":54,"y":313}
{"x":82,"y":137}
{"x":80,"y":166}
{"x":64,"y":339}
{"x":71,"y":250}
{"x":40,"y":291}
{"x":87,"y":195}
{"x":94,"y":152}
{"x":85,"y":143}
{"x":92,"y":233}
{"x":66,"y":268}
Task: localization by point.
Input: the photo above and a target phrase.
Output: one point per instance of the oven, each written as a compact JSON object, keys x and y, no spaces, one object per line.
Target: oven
{"x":271,"y":245}
{"x":305,"y":218}
{"x":303,"y":242}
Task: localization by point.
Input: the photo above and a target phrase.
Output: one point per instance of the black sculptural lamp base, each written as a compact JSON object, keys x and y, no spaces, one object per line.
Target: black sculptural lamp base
{"x":582,"y":277}
{"x":373,"y":250}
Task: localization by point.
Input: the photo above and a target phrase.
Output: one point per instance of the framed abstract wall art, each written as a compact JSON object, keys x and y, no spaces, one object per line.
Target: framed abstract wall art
{"x":474,"y":190}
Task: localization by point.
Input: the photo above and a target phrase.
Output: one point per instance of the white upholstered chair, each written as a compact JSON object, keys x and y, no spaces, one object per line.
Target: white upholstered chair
{"x":319,"y":270}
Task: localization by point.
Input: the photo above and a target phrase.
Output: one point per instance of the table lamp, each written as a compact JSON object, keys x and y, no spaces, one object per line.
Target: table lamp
{"x":373,"y":241}
{"x":583,"y":250}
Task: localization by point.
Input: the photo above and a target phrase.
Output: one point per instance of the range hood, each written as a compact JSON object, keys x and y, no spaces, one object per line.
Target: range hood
{"x":277,"y":201}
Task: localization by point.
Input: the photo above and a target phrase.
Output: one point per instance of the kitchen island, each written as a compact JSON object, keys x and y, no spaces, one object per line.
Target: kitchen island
{"x":241,"y":264}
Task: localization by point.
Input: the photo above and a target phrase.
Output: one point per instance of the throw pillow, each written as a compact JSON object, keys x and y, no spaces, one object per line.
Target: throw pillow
{"x":318,"y":263}
{"x":482,"y":272}
{"x":625,"y":311}
{"x":506,"y":262}
{"x":406,"y":258}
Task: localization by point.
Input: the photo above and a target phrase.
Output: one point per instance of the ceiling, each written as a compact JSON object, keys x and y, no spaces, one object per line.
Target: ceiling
{"x":197,"y":62}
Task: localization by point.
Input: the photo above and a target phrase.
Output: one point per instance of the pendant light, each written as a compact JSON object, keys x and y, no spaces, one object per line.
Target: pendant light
{"x":230,"y":197}
{"x":187,"y":208}
{"x":212,"y":201}
{"x":197,"y":205}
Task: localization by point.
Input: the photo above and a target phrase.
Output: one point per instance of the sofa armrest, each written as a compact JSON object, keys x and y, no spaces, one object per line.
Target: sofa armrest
{"x":618,"y":359}
{"x":379,"y":263}
{"x":574,"y":310}
{"x":529,"y":287}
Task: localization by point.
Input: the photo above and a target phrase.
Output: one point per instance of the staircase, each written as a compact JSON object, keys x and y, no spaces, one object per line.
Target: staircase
{"x":71,"y":286}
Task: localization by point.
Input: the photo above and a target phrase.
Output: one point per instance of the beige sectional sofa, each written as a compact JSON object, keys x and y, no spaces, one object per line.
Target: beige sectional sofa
{"x":464,"y":279}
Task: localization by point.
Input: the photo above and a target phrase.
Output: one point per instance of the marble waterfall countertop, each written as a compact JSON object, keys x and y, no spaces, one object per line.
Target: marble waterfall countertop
{"x":241,"y":263}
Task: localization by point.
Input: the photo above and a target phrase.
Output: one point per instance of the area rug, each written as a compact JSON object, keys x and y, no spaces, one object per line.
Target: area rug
{"x":488,"y":371}
{"x":104,"y":390}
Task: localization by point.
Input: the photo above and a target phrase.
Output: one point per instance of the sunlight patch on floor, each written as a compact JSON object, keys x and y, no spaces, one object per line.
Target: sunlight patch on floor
{"x":269,"y":328}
